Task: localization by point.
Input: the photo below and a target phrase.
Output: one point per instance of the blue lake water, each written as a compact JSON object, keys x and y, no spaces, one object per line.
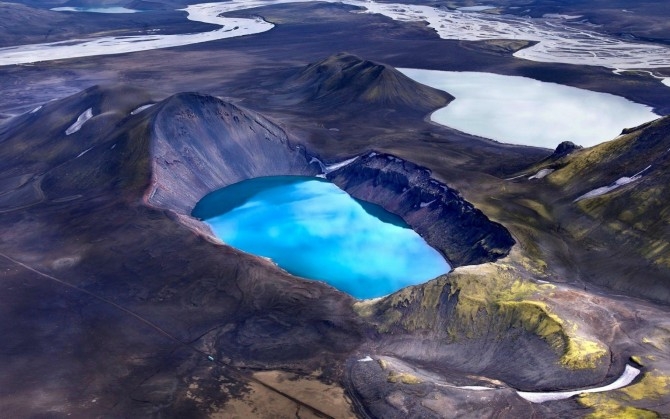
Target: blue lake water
{"x":313,"y":229}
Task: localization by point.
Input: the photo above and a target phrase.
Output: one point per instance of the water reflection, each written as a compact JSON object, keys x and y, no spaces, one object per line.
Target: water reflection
{"x":520,"y":110}
{"x":313,"y":229}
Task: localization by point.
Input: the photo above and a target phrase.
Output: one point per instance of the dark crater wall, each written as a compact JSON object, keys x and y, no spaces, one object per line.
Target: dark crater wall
{"x":202,"y":144}
{"x":438,"y":213}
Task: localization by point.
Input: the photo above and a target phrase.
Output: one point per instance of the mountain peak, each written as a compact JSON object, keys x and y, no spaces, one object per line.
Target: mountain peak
{"x":346,"y":79}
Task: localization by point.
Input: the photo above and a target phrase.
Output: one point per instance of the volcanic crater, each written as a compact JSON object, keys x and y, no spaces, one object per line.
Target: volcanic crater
{"x":118,"y":192}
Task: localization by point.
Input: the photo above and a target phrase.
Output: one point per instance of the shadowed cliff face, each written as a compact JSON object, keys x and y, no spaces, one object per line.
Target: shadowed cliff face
{"x":438,"y":213}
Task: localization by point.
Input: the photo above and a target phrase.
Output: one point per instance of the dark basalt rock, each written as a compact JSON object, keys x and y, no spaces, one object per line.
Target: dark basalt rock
{"x":437,"y":212}
{"x":565,"y":148}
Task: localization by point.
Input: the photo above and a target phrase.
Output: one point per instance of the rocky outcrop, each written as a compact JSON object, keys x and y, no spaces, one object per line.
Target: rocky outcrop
{"x":564,"y":148}
{"x":437,"y":212}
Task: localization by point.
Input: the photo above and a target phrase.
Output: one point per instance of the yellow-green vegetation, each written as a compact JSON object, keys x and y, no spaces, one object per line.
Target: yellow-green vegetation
{"x":605,"y":407}
{"x":403,"y":377}
{"x":583,"y":353}
{"x":538,"y":208}
{"x":619,"y":403}
{"x":583,"y":160}
{"x":411,"y":308}
{"x":485,"y":300}
{"x":637,"y":360}
{"x":653,"y":385}
{"x":658,"y":340}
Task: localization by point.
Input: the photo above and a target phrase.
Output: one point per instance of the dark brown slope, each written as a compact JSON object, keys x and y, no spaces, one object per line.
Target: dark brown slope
{"x":128,"y":293}
{"x":117,"y":298}
{"x":346,"y":80}
{"x":84,"y":221}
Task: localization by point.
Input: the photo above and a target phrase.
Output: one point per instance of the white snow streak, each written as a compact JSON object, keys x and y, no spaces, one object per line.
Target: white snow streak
{"x":425,"y":204}
{"x":626,"y":378}
{"x":88,"y":114}
{"x":84,"y":152}
{"x":617,"y":184}
{"x":541,"y":174}
{"x":333,"y":167}
{"x":141,"y":108}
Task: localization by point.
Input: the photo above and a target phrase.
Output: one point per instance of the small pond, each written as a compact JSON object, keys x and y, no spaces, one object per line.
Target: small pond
{"x":313,"y":229}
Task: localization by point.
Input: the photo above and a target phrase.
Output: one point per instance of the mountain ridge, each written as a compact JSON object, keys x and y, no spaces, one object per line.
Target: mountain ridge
{"x":345,"y":79}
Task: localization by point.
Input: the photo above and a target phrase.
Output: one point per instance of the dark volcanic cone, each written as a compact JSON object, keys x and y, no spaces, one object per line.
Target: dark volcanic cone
{"x":99,"y":209}
{"x":345,"y":80}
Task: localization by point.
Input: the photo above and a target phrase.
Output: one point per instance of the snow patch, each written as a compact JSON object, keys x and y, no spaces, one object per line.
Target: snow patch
{"x":366,"y":359}
{"x":425,"y":204}
{"x":617,"y":184}
{"x":36,"y":109}
{"x":84,"y":152}
{"x":112,"y":10}
{"x":333,"y":167}
{"x":475,"y":8}
{"x":559,"y":16}
{"x":141,"y":108}
{"x":477,"y":388}
{"x":81,"y":120}
{"x":626,"y":378}
{"x":541,"y":174}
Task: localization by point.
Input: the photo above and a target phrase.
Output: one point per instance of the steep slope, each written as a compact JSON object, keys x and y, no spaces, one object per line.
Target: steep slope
{"x":96,"y":191}
{"x":347,"y":80}
{"x":438,"y":213}
{"x":619,"y":191}
{"x":200,"y":144}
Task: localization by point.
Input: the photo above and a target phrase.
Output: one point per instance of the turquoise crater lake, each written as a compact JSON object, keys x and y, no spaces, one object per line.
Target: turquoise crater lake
{"x":313,"y":229}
